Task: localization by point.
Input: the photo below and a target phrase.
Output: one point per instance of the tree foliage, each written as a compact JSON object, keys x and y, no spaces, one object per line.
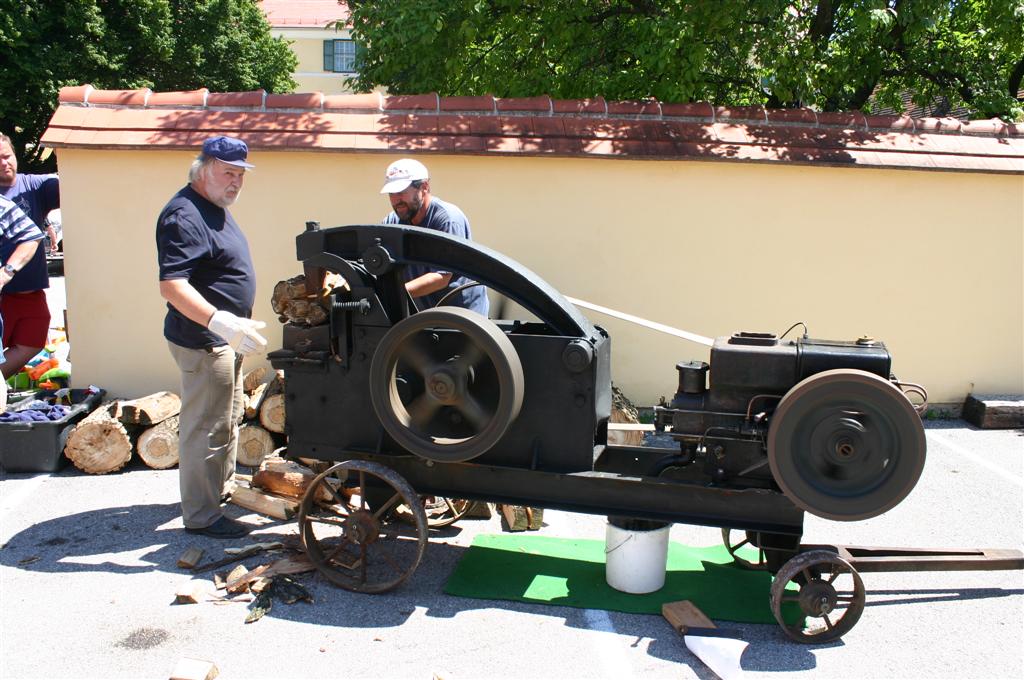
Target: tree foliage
{"x":832,"y":55}
{"x":124,"y":44}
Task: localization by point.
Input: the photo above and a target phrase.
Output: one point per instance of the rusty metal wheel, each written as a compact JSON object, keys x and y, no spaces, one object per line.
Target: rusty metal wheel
{"x":446,"y":384}
{"x":829,"y":602}
{"x":846,"y":445}
{"x":357,"y":546}
{"x":761,"y":561}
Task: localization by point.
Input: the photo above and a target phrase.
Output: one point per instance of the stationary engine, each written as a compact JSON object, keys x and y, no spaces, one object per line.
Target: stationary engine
{"x":822,"y":420}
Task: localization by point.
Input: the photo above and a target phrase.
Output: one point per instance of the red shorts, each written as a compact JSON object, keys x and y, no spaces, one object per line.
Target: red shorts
{"x":26,"y":318}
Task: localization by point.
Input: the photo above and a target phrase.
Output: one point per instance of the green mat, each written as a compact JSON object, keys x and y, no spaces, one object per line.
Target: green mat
{"x":571,"y":573}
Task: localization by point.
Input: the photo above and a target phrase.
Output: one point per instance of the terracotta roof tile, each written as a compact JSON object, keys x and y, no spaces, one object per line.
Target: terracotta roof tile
{"x":853,"y":119}
{"x":482,"y":103}
{"x":730,"y":113}
{"x":596,"y":105}
{"x":187,"y":98}
{"x":636,"y":108}
{"x":302,"y":100}
{"x":78,"y":94}
{"x":805,"y":116}
{"x":533,"y":126}
{"x":239,"y":99}
{"x":372,"y":101}
{"x":532,"y":104}
{"x":689,"y":110}
{"x":121,"y":97}
{"x":411,"y":102}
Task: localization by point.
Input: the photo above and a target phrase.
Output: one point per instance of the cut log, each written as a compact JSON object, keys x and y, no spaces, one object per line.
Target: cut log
{"x":520,"y":518}
{"x":264,"y":503}
{"x":253,"y":401}
{"x":286,"y":478}
{"x":99,"y":444}
{"x":253,"y":379}
{"x":233,"y":583}
{"x":193,"y":591}
{"x":254,"y":444}
{"x":194,"y":669}
{"x":158,"y":445}
{"x":149,"y":410}
{"x":623,"y":411}
{"x":190,"y":558}
{"x":272,"y":413}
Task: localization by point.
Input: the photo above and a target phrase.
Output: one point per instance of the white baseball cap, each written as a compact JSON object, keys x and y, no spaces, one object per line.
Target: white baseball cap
{"x":402,"y":173}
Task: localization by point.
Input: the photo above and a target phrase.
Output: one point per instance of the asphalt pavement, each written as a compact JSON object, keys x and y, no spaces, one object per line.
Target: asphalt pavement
{"x":88,"y":579}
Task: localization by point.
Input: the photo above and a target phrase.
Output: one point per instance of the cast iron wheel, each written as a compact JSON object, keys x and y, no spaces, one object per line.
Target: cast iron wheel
{"x":446,"y":396}
{"x":830,"y":599}
{"x":760,"y":565}
{"x":846,"y":445}
{"x":354,"y":546}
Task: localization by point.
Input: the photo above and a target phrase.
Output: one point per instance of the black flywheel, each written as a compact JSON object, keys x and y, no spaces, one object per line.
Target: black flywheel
{"x":446,"y":384}
{"x":846,"y":445}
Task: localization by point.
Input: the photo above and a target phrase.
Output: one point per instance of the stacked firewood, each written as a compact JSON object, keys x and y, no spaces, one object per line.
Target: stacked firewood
{"x":262,"y":430}
{"x":105,"y":440}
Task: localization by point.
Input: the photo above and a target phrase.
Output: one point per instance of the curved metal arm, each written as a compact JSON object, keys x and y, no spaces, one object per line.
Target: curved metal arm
{"x":407,"y":244}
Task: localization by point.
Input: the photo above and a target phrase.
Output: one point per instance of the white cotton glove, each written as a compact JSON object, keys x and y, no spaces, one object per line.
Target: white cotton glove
{"x":238,"y":332}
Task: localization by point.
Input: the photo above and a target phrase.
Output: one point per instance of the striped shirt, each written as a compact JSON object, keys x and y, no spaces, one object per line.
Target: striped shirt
{"x":15,"y":228}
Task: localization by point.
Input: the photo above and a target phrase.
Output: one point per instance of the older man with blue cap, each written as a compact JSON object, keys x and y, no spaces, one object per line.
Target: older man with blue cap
{"x":208,"y":280}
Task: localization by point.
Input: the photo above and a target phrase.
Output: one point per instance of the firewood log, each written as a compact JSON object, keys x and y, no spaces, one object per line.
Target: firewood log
{"x":272,"y":413}
{"x":254,"y":444}
{"x":149,"y":410}
{"x":287,"y":478}
{"x":99,"y":443}
{"x":158,"y":445}
{"x":253,"y":379}
{"x":253,"y":400}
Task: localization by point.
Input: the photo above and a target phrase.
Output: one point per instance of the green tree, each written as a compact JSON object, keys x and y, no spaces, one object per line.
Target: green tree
{"x":832,"y":55}
{"x":123,"y":44}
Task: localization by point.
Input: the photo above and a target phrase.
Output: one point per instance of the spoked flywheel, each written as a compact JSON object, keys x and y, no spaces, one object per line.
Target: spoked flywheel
{"x":846,"y":445}
{"x":827,"y":605}
{"x":357,"y":544}
{"x":446,"y":384}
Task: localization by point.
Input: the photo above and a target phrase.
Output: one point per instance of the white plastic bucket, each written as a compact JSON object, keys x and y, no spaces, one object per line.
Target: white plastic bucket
{"x":636,"y":554}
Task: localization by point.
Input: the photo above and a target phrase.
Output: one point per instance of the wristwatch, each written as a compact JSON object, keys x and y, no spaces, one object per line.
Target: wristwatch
{"x":9,"y":268}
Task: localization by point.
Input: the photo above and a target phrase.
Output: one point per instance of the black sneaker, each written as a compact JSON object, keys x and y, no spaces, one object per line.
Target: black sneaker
{"x":222,"y":528}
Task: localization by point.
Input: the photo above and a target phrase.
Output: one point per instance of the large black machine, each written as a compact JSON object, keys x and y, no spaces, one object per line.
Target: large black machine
{"x":420,"y":407}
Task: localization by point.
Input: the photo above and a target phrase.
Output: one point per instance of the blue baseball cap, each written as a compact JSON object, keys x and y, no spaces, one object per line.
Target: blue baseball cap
{"x":227,"y":149}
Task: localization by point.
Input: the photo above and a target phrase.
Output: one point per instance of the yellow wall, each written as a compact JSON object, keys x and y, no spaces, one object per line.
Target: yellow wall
{"x":308,"y":46}
{"x":931,"y":263}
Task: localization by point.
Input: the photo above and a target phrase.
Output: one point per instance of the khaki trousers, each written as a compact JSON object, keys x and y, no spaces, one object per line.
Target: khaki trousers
{"x":211,"y":408}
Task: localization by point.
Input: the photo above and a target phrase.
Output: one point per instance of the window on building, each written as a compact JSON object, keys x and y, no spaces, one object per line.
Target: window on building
{"x":340,"y":56}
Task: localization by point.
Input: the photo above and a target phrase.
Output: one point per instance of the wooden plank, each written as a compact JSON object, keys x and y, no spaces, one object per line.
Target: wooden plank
{"x":992,"y":412}
{"x":194,"y":669}
{"x":684,"y":614}
{"x":190,"y":558}
{"x":265,"y":504}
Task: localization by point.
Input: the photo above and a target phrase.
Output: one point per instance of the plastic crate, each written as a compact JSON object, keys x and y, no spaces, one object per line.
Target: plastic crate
{"x":38,"y":446}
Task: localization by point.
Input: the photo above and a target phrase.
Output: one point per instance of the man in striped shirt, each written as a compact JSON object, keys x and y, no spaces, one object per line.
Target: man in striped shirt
{"x":19,"y":239}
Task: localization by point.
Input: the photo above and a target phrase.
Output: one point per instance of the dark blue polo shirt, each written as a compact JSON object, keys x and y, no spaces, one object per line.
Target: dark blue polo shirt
{"x":199,"y":241}
{"x":446,"y":217}
{"x":36,"y":195}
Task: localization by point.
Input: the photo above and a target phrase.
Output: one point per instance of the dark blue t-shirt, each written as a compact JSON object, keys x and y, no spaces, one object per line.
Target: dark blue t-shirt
{"x":448,"y":218}
{"x":199,"y":241}
{"x":36,"y":195}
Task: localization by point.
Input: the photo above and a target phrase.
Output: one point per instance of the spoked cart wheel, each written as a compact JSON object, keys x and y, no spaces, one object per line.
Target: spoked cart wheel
{"x":760,"y":564}
{"x":830,"y":599}
{"x":357,"y":546}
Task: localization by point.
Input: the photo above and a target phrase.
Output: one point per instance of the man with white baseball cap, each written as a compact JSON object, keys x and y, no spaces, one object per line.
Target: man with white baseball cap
{"x":407,"y":184}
